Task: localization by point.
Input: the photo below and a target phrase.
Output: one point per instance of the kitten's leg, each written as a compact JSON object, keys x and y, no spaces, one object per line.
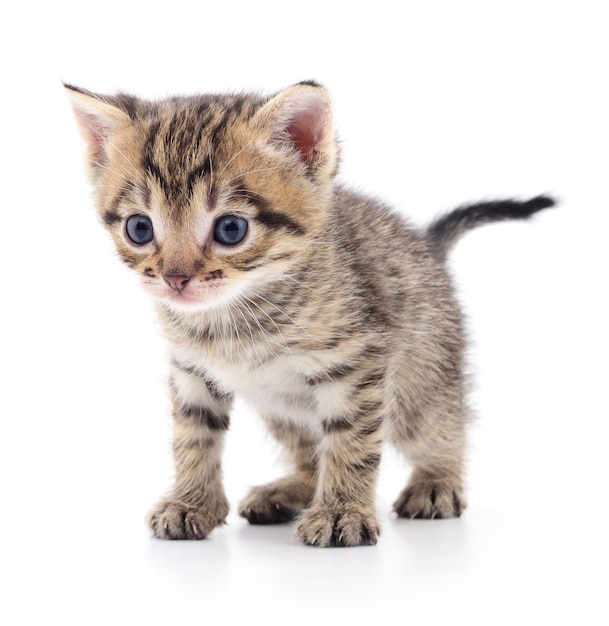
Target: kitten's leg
{"x":432,"y":492}
{"x":433,"y":440}
{"x":282,"y":500}
{"x":343,"y":510}
{"x":197,"y":503}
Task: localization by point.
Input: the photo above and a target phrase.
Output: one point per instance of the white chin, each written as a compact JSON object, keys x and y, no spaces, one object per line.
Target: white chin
{"x":188,"y":303}
{"x":192,"y":299}
{"x":193,"y":302}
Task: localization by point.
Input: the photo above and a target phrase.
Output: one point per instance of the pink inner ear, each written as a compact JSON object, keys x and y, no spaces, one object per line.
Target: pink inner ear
{"x":306,"y":131}
{"x":96,"y":133}
{"x":97,"y":121}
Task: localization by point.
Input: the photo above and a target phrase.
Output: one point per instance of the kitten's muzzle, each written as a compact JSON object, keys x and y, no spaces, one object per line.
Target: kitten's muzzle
{"x":177,"y":283}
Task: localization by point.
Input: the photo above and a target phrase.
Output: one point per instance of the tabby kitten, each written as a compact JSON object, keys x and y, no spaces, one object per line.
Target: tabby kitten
{"x":328,"y":313}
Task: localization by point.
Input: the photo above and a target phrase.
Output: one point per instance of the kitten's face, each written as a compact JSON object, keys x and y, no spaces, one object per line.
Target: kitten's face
{"x":209,"y":199}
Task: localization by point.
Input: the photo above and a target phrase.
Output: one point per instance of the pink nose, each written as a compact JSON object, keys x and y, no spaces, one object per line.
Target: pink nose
{"x":177,"y":283}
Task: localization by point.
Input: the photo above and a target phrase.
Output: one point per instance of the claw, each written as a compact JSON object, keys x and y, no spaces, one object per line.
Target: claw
{"x":196,"y":531}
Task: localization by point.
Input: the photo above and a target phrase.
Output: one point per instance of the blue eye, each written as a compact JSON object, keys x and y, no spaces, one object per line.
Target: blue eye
{"x":139,"y":229}
{"x":230,"y":230}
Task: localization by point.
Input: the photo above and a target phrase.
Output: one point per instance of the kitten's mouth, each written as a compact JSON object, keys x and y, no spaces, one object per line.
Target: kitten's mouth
{"x":181,"y":297}
{"x":190,"y":295}
{"x":189,"y":298}
{"x":186,"y":299}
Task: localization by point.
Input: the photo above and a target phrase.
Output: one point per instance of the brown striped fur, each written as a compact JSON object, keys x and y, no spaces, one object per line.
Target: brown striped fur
{"x":333,"y":317}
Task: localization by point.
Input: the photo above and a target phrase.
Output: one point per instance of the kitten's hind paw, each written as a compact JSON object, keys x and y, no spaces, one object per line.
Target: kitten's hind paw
{"x":338,"y":527}
{"x":172,"y":519}
{"x":430,"y":500}
{"x":266,"y":511}
{"x":278,"y":502}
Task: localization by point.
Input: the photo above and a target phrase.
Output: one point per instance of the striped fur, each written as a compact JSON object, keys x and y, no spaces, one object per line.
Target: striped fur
{"x":332,"y":317}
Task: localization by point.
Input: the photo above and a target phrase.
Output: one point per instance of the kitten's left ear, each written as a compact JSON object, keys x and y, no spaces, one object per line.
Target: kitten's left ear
{"x":98,"y":121}
{"x":300,"y":118}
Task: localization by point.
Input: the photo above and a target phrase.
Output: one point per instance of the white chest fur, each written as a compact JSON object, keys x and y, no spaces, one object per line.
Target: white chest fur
{"x":277,"y":389}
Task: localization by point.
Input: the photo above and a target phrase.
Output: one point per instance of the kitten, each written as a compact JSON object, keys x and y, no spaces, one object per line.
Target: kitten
{"x":328,"y":313}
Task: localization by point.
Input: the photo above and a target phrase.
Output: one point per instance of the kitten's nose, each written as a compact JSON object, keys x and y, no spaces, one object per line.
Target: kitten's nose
{"x":177,"y":283}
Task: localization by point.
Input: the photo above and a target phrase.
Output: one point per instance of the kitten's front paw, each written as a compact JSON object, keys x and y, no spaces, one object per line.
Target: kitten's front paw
{"x":430,"y":499}
{"x":338,"y":526}
{"x":172,"y":519}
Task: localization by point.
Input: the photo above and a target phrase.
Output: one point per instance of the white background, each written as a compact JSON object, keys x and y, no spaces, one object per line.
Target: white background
{"x":437,"y":103}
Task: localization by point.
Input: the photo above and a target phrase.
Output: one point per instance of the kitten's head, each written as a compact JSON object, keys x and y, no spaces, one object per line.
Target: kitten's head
{"x":206,"y":196}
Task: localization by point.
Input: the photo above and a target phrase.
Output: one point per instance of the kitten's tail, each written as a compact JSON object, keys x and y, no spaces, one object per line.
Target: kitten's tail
{"x":444,"y":231}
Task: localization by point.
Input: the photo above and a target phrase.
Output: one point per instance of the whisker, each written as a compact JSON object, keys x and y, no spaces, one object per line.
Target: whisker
{"x":271,"y":320}
{"x":238,"y":305}
{"x":211,"y":167}
{"x":260,"y":327}
{"x":280,"y":310}
{"x":245,"y":147}
{"x":256,"y":171}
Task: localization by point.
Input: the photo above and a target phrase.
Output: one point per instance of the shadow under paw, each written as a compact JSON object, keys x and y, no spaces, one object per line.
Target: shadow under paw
{"x":430,"y":500}
{"x":172,"y":519}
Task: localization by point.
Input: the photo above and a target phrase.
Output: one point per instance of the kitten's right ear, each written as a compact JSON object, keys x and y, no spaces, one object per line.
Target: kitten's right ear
{"x":98,"y":120}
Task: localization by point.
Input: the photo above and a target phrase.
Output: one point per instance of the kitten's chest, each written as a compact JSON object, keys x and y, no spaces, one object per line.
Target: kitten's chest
{"x":279,"y":388}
